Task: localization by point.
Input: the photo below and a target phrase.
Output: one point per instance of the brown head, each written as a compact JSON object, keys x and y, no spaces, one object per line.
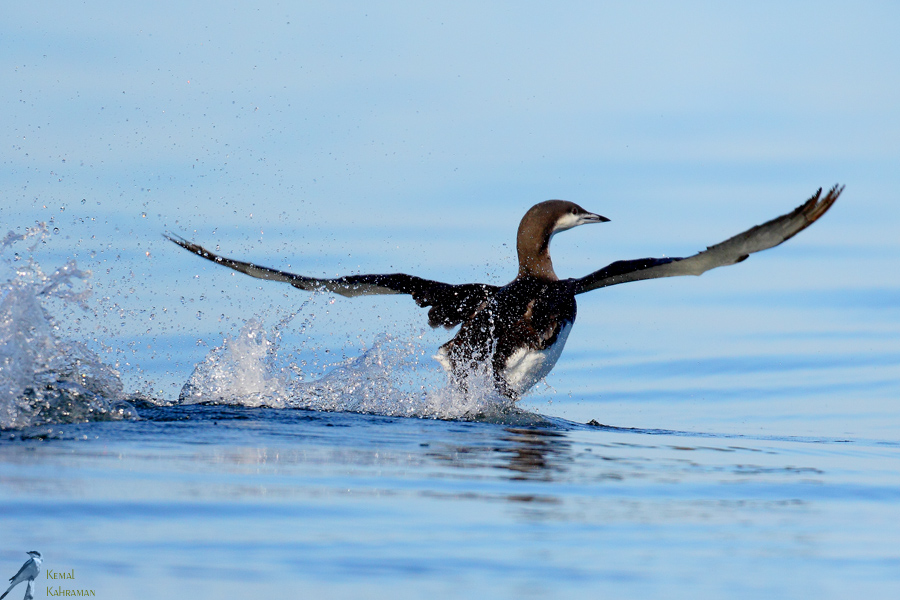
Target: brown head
{"x":538,"y":226}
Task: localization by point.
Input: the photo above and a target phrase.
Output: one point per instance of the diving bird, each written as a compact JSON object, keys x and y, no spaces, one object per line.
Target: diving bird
{"x":518,"y":330}
{"x":29,"y":572}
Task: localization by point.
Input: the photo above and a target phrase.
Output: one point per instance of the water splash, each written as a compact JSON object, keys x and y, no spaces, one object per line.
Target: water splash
{"x":43,"y":378}
{"x":388,"y":378}
{"x":238,"y":372}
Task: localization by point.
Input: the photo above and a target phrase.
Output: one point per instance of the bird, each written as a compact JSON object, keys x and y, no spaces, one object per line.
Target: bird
{"x":517,"y":331}
{"x":29,"y":572}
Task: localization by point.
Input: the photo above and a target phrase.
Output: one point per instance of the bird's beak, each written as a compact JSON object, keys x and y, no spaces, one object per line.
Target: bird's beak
{"x":592,"y":218}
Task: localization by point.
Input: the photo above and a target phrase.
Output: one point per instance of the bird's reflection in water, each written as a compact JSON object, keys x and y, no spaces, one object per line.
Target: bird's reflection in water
{"x":523,"y":454}
{"x":534,"y":454}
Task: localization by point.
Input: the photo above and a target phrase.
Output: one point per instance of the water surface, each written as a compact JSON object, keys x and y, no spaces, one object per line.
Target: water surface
{"x":203,"y":501}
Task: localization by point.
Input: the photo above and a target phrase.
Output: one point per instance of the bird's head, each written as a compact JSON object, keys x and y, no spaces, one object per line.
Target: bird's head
{"x":539,"y":225}
{"x":568,"y":215}
{"x":34,"y":554}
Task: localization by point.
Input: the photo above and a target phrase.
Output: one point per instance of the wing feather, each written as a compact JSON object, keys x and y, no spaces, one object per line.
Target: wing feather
{"x":21,"y":570}
{"x":729,"y":252}
{"x":451,"y":304}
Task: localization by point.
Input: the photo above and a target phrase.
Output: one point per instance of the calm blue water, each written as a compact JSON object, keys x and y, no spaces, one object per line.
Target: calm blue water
{"x":169,"y":429}
{"x":207,"y":501}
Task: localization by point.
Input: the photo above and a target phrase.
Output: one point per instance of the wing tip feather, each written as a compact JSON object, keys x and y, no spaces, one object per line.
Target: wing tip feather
{"x":818,"y":205}
{"x":187,"y":245}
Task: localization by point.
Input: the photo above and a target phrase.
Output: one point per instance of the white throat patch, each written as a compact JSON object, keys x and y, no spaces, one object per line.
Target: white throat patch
{"x":567,"y":221}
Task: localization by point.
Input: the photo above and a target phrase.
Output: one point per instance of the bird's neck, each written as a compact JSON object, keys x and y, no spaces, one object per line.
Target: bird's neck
{"x":533,"y":247}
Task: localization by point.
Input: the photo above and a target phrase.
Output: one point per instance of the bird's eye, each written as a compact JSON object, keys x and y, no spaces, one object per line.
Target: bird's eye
{"x":573,"y":211}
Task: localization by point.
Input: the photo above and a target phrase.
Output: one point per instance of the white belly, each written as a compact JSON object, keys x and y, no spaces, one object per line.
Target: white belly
{"x":526,"y":367}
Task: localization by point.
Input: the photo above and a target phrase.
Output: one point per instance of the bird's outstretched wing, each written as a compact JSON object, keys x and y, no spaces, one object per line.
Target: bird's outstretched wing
{"x":729,"y":252}
{"x":451,"y":304}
